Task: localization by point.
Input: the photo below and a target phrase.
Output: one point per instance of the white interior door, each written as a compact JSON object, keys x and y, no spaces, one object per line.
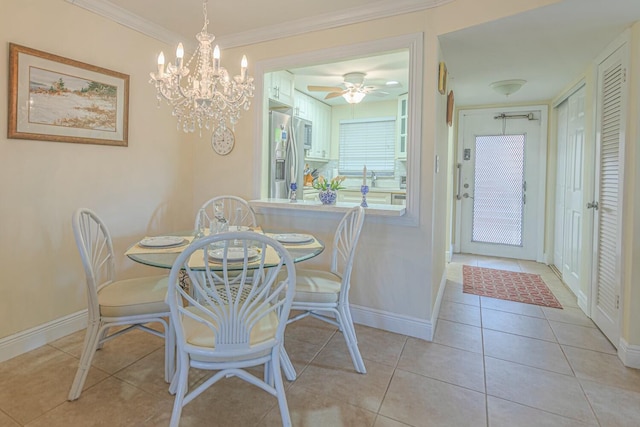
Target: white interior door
{"x":562,"y":112}
{"x":501,"y":154}
{"x":573,"y":196}
{"x":607,"y":203}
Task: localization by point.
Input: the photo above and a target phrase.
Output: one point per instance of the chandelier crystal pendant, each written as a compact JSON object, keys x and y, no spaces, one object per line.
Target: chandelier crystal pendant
{"x":207,"y":96}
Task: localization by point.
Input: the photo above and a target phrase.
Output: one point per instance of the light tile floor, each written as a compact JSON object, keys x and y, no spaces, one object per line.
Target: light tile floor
{"x":492,"y":363}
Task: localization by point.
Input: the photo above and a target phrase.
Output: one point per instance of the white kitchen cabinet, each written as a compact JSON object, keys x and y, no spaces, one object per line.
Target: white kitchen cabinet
{"x":320,"y":115}
{"x":280,"y":84}
{"x":401,"y":148}
{"x":302,"y":105}
{"x":376,"y":198}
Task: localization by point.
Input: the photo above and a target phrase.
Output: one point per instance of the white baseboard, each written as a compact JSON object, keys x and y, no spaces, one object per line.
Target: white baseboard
{"x":31,"y":339}
{"x":629,"y":354}
{"x":392,"y":322}
{"x":436,"y":307}
{"x":583,"y":303}
{"x":25,"y":341}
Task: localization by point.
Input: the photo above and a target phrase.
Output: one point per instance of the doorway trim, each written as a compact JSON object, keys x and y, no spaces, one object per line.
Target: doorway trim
{"x":541,"y":166}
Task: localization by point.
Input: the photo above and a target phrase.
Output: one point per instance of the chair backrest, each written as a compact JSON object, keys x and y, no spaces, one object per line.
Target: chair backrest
{"x":236,"y":303}
{"x":236,"y":211}
{"x":96,"y":251}
{"x":345,"y":242}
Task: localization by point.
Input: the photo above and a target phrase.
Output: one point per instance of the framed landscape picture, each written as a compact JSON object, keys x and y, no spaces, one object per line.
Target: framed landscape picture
{"x":442,"y":78}
{"x":52,"y":98}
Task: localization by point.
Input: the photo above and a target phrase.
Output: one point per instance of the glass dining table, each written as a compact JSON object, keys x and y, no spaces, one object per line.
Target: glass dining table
{"x":164,"y":257}
{"x":301,"y":247}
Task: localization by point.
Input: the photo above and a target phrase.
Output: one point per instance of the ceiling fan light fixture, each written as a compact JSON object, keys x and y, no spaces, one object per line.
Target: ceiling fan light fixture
{"x":507,"y":87}
{"x":353,"y":97}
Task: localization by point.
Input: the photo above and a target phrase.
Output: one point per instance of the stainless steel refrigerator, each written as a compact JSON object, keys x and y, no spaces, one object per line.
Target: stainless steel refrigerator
{"x":288,"y":138}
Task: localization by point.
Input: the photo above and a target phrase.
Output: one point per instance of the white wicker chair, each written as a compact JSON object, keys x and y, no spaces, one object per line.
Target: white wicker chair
{"x":319,"y":291}
{"x":111,"y":302}
{"x":233,"y":318}
{"x":236,"y":211}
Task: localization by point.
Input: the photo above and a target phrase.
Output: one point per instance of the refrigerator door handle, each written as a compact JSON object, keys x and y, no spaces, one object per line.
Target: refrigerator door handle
{"x":294,"y":157}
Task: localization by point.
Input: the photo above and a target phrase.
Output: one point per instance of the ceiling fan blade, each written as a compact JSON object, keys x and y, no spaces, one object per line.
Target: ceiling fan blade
{"x":377,"y":93}
{"x":335,"y":94}
{"x":325,"y":88}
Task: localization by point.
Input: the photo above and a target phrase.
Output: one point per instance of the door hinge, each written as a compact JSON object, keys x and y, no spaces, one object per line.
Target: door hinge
{"x":624,"y":75}
{"x":617,"y":302}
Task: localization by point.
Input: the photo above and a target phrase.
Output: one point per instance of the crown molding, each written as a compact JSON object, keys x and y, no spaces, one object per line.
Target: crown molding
{"x":122,"y":16}
{"x":377,"y":10}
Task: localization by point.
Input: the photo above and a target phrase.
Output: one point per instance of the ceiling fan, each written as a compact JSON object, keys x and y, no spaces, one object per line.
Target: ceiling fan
{"x":353,"y":90}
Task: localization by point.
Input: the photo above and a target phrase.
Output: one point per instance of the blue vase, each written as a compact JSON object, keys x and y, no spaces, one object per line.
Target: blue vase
{"x":328,"y":197}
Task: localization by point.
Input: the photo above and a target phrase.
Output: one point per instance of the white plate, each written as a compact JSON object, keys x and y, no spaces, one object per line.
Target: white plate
{"x":162,"y":241}
{"x":234,"y":254}
{"x":239,"y":228}
{"x":294,"y":238}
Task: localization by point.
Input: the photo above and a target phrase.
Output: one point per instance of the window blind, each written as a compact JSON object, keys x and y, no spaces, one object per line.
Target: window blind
{"x":369,"y":142}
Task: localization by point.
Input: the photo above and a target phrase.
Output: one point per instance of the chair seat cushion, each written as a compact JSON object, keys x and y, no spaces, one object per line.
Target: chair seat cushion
{"x":317,"y":286}
{"x":200,"y":334}
{"x":131,"y":297}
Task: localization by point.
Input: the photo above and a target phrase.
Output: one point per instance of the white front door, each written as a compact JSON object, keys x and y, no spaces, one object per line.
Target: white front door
{"x":501,"y":188}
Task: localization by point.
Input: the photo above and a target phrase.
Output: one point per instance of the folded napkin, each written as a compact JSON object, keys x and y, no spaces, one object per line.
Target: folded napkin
{"x":137,"y":249}
{"x":196,"y":260}
{"x":314,"y":244}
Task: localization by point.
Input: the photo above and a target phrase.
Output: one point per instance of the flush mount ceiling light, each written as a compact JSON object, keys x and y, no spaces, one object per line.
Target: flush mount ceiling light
{"x":507,"y":87}
{"x":207,"y":96}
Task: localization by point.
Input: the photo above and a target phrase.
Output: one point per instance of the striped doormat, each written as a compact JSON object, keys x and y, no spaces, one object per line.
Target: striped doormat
{"x":508,"y":285}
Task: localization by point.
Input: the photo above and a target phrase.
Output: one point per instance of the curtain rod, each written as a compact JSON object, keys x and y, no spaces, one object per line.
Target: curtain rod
{"x":528,"y":116}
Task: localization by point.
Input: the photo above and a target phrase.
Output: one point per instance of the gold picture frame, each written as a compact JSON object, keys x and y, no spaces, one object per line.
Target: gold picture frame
{"x":450,"y":102}
{"x":52,"y":98}
{"x":442,"y":78}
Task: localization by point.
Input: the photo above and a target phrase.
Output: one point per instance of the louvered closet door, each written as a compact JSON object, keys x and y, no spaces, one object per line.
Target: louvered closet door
{"x":610,"y":124}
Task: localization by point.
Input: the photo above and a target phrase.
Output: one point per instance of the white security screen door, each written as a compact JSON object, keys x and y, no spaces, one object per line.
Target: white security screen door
{"x":499,"y":188}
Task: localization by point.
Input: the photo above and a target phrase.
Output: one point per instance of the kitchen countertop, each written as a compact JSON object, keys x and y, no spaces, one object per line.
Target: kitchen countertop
{"x":310,"y":206}
{"x":371,"y":189}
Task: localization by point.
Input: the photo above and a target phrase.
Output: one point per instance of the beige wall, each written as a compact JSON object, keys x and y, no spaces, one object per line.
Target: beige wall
{"x":137,"y":189}
{"x":393,"y":266}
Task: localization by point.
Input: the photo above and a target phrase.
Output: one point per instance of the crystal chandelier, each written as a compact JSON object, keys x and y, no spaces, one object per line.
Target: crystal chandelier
{"x":207,"y":97}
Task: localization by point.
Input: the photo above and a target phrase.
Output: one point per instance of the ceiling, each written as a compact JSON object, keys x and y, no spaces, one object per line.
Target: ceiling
{"x":549,"y":47}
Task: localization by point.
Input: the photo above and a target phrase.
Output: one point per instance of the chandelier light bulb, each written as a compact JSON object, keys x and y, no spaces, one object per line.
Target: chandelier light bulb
{"x":161,"y":63}
{"x":243,"y":68}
